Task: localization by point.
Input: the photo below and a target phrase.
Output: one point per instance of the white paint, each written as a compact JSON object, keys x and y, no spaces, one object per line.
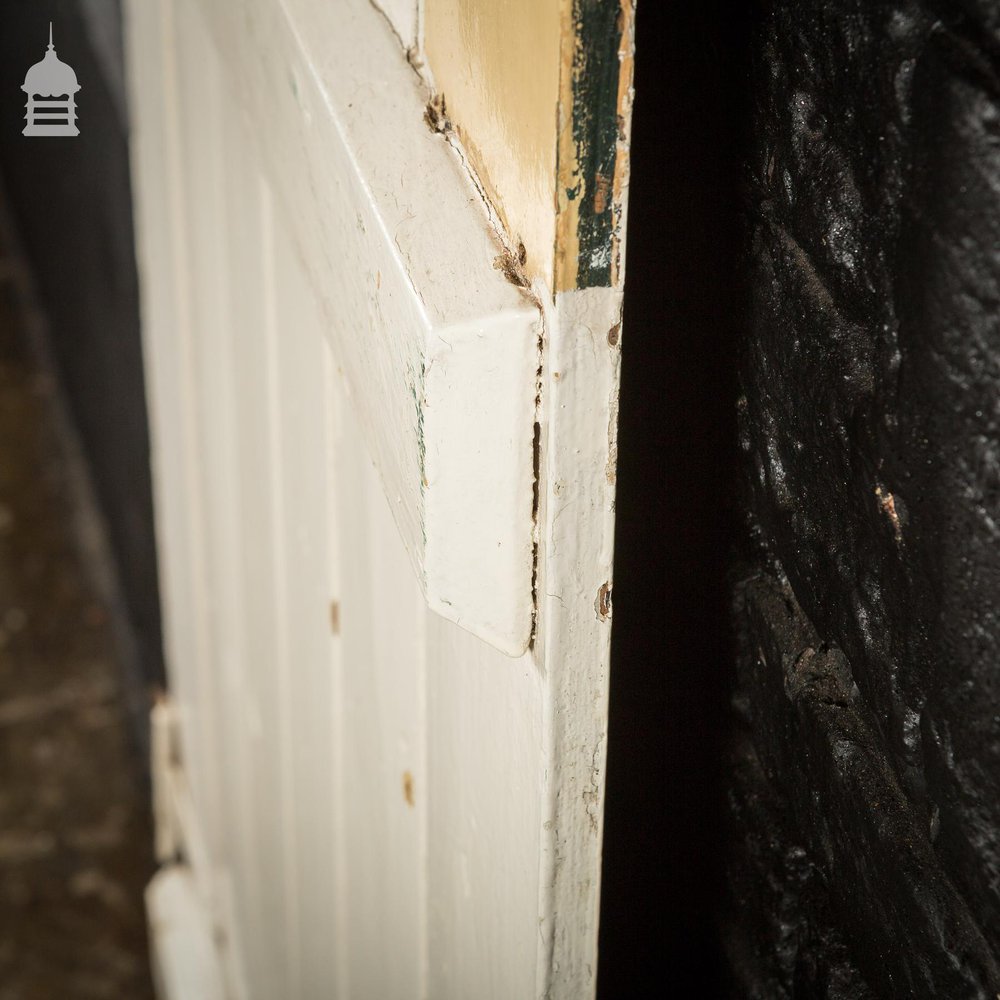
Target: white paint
{"x":195,"y":946}
{"x":485,"y":774}
{"x":185,"y":962}
{"x":404,"y":16}
{"x":581,"y":415}
{"x":410,"y":300}
{"x":373,"y":802}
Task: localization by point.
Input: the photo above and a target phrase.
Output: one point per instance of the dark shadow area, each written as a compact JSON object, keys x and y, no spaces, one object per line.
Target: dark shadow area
{"x":70,"y":199}
{"x":672,"y":650}
{"x":80,"y":640}
{"x":75,"y":822}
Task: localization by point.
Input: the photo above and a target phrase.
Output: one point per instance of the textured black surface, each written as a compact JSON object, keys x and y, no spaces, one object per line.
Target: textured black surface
{"x":780,"y":930}
{"x":870,"y":424}
{"x":906,"y":926}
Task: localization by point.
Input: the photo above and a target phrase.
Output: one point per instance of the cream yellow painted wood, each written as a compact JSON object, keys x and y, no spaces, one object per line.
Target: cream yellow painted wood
{"x":497,"y":66}
{"x":537,"y":95}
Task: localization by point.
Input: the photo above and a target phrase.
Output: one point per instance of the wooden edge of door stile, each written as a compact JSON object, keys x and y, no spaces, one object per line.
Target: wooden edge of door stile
{"x":581,"y":386}
{"x":578,"y":279}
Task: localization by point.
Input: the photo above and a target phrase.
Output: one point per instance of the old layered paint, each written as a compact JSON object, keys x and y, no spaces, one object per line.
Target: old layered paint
{"x":595,"y":113}
{"x":539,"y":96}
{"x":497,"y":67}
{"x":377,"y":802}
{"x":581,"y":369}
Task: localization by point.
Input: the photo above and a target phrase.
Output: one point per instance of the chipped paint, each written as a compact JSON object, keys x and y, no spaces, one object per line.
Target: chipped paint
{"x":594,"y":121}
{"x":603,"y":603}
{"x":555,"y":183}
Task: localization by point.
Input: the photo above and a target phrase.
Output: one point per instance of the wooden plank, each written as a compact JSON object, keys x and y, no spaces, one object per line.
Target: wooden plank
{"x":206,"y":380}
{"x":475,"y":55}
{"x":167,"y":332}
{"x":423,"y":325}
{"x":382,"y":621}
{"x":241,"y":336}
{"x":185,"y":962}
{"x":308,"y":657}
{"x":335,"y":784}
{"x":581,"y":419}
{"x":595,"y":120}
{"x":486,"y":774}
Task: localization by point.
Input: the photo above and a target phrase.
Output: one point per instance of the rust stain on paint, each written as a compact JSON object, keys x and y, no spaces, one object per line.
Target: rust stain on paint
{"x":408,"y":788}
{"x":335,"y":617}
{"x":436,"y":115}
{"x":601,"y":190}
{"x":603,"y":603}
{"x":512,"y":265}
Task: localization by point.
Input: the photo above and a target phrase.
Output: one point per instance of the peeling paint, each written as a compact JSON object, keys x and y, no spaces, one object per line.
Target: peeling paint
{"x":592,"y":169}
{"x":603,"y":603}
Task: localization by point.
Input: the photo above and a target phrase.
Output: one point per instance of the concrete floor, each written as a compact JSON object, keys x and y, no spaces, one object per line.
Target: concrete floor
{"x":75,"y":838}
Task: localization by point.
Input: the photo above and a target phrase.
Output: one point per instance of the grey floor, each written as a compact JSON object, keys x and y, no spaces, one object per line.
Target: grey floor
{"x":74,"y":820}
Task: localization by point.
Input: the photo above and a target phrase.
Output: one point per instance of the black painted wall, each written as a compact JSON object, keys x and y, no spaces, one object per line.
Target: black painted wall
{"x":865,"y":798}
{"x":71,"y":202}
{"x":804,"y":757}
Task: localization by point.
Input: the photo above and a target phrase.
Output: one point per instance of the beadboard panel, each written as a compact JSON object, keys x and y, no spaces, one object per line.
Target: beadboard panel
{"x":386,"y":802}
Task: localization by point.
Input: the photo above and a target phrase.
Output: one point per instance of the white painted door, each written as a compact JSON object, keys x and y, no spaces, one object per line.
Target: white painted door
{"x":382,"y":345}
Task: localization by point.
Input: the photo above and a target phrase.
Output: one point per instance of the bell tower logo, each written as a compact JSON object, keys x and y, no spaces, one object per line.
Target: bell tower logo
{"x":51,"y":87}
